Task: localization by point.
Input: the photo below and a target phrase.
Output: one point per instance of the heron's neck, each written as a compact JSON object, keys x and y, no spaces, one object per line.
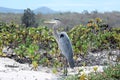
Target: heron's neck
{"x":55,"y":32}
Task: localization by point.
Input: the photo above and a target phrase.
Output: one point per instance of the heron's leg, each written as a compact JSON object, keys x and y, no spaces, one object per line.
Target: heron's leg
{"x":65,"y":67}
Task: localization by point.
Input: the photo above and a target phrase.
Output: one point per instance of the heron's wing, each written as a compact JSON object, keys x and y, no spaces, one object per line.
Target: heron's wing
{"x":69,"y":47}
{"x":66,"y":48}
{"x":65,"y":45}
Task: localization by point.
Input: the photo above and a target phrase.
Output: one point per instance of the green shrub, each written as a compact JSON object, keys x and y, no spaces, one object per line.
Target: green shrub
{"x":95,"y":36}
{"x":110,"y":73}
{"x":28,"y":41}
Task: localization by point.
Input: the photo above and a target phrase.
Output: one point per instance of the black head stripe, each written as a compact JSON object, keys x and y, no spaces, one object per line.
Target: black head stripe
{"x":57,"y":19}
{"x":61,"y":35}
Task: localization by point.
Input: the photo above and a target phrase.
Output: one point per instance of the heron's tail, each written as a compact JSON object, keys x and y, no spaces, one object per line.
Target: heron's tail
{"x":71,"y":63}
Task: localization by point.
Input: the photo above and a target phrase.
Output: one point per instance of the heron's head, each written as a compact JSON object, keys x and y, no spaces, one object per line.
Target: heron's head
{"x":54,"y":21}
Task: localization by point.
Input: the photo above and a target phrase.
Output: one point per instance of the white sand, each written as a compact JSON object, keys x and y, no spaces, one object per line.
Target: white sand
{"x":12,"y":70}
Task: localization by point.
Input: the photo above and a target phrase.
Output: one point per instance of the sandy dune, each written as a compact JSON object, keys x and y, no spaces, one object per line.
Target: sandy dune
{"x":12,"y":70}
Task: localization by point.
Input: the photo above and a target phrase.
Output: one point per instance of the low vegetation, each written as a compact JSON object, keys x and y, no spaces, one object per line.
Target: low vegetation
{"x":96,"y":36}
{"x":110,"y":73}
{"x":27,"y":42}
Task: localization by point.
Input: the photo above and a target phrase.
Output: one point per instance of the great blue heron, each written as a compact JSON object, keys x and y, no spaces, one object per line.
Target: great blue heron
{"x":64,"y":44}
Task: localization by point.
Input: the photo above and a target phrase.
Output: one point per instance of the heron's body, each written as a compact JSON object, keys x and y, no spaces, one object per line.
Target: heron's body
{"x":66,"y":47}
{"x":63,"y":43}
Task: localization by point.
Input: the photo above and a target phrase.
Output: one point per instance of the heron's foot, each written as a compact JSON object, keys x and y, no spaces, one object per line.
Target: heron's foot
{"x":63,"y":75}
{"x":65,"y":72}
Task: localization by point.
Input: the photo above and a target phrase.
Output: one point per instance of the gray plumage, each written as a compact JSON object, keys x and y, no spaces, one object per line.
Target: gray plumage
{"x":66,"y":48}
{"x":64,"y":43}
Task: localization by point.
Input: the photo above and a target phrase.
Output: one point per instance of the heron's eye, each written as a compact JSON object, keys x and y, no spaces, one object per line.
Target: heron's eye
{"x":61,"y":35}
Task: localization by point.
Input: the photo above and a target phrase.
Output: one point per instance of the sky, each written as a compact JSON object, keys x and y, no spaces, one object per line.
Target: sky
{"x":64,"y":5}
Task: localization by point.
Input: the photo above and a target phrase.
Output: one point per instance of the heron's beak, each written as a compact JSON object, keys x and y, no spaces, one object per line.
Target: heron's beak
{"x":50,"y":22}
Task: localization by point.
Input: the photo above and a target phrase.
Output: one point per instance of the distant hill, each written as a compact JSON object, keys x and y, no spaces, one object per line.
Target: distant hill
{"x":9,"y":10}
{"x":43,"y":10}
